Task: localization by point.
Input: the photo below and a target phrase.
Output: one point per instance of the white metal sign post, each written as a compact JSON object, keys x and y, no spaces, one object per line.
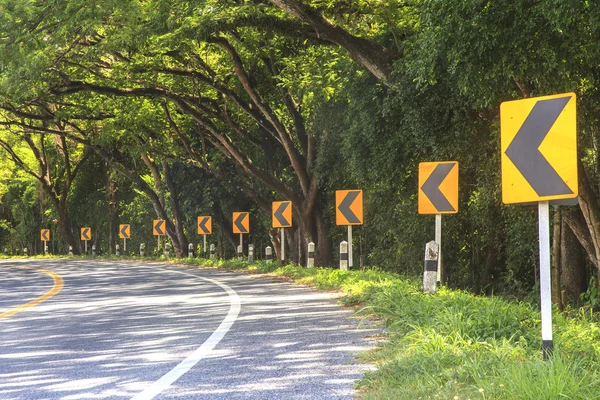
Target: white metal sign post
{"x":545,"y":291}
{"x":438,"y":240}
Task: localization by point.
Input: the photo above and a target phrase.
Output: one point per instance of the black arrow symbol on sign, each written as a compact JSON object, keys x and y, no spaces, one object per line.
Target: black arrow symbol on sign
{"x":344,"y":207}
{"x":158,"y":227}
{"x":278,"y":214}
{"x":202,"y":224}
{"x":238,"y":222}
{"x":85,"y":233}
{"x":524,"y":151}
{"x":124,"y":231}
{"x":431,"y":187}
{"x":45,"y":234}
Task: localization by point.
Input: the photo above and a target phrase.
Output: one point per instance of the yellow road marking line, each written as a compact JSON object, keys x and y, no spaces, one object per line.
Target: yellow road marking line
{"x":58,"y":285}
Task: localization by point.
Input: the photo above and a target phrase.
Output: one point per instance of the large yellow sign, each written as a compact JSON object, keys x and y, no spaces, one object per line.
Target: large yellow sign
{"x":538,"y":143}
{"x":438,"y":187}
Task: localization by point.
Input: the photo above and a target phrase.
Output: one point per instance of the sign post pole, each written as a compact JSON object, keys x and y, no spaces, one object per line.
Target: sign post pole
{"x":45,"y":248}
{"x":545,"y":291}
{"x":85,"y":241}
{"x":242,"y":241}
{"x":204,"y":247}
{"x":124,"y":245}
{"x":438,"y":240}
{"x":350,"y":264}
{"x":282,"y":245}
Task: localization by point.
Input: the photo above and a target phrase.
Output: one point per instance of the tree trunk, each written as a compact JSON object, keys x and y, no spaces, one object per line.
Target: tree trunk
{"x":182,"y":241}
{"x":113,"y":214}
{"x":64,"y":225}
{"x":572,"y":265}
{"x":556,"y":260}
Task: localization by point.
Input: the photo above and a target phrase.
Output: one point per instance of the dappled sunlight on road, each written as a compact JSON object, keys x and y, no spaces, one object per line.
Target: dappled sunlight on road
{"x":117,"y":328}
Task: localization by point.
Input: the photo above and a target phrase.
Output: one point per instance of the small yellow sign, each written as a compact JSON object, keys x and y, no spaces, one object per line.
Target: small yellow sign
{"x":125,"y":231}
{"x":86,"y":233}
{"x":348,"y":207}
{"x":282,"y":214}
{"x":538,"y":145}
{"x":45,"y":235}
{"x":204,"y":225}
{"x":158,"y":227}
{"x":241,"y":222}
{"x":438,"y":187}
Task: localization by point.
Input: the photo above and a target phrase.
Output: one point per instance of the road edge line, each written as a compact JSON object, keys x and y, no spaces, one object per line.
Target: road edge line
{"x":201,"y":352}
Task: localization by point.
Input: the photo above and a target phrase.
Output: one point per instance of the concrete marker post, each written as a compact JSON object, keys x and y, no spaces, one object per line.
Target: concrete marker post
{"x":190,"y":250}
{"x":212,"y":251}
{"x":142,"y":248}
{"x":431,"y":267}
{"x":167,"y":250}
{"x":117,"y":253}
{"x":45,"y":249}
{"x":545,"y":288}
{"x":240,"y":253}
{"x":250,"y":254}
{"x":268,"y":254}
{"x":310,"y":261}
{"x":344,"y":255}
{"x":93,"y":250}
{"x":85,"y":241}
{"x":438,"y":240}
{"x":70,"y":250}
{"x":25,"y":251}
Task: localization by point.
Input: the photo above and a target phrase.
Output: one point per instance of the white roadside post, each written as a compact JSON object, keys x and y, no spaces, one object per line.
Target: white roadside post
{"x":240,"y":253}
{"x":142,"y":248}
{"x":117,"y":253}
{"x":93,"y":250}
{"x":268,"y":254}
{"x":250,"y":254}
{"x":191,"y":250}
{"x":212,"y":251}
{"x":310,"y":261}
{"x":431,"y":267}
{"x":70,"y":250}
{"x":167,"y":249}
{"x":45,"y":249}
{"x":204,"y":247}
{"x":25,"y":251}
{"x":344,"y":255}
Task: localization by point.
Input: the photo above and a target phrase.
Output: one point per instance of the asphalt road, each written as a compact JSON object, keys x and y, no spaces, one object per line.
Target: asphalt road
{"x":142,"y":331}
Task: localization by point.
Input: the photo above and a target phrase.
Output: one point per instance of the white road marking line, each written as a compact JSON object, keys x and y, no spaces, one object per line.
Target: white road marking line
{"x":204,"y":350}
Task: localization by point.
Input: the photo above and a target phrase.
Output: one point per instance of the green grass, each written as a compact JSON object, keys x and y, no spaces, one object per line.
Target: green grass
{"x":455,"y":345}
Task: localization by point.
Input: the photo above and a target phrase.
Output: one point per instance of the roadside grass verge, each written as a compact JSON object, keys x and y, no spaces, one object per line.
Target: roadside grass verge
{"x":453,"y":345}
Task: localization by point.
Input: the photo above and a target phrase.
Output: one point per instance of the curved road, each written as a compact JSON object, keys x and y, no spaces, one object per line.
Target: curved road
{"x":128,"y":330}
